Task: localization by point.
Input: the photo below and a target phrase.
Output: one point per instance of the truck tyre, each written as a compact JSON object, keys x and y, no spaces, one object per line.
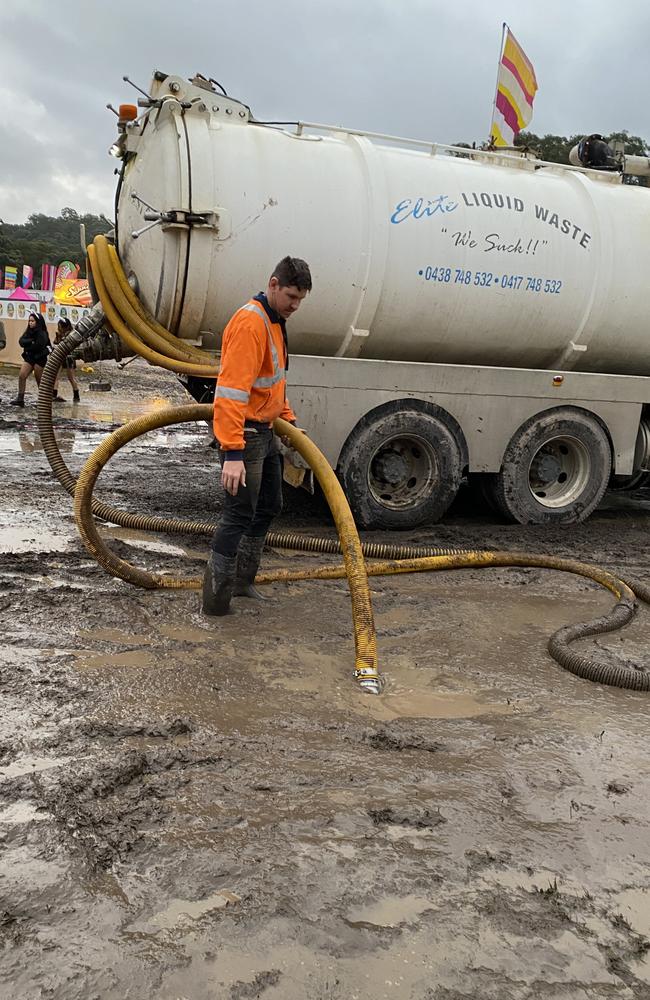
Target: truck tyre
{"x":400,"y":470}
{"x":555,"y":469}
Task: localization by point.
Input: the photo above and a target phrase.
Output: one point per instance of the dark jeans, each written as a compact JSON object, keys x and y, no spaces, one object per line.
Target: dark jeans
{"x":256,"y":503}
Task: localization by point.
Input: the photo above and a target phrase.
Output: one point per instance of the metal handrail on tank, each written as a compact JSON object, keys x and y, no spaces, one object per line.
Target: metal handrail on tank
{"x":440,"y":147}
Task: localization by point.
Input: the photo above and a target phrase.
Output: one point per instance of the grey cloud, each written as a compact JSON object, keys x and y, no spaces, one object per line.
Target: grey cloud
{"x":422,"y":68}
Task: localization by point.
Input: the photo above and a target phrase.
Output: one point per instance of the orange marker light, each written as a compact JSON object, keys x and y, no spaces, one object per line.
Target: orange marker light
{"x":128,"y":112}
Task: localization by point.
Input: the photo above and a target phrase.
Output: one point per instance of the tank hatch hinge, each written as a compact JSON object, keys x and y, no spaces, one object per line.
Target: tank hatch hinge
{"x":174,"y":218}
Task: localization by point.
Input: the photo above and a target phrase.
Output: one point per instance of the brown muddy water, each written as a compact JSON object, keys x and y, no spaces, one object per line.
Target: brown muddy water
{"x":210,"y":809}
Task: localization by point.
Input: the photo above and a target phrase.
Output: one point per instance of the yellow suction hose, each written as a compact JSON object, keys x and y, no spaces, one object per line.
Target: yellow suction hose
{"x":366,"y":672}
{"x":150,"y":324}
{"x":355,"y":568}
{"x":106,"y":284}
{"x":148,"y":338}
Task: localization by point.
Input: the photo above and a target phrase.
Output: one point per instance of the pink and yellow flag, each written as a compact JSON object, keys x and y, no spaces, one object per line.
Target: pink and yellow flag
{"x":516,"y":89}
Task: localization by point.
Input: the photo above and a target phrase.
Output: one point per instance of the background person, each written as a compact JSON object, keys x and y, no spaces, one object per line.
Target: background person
{"x":63,"y":328}
{"x":36,"y":346}
{"x":250,"y":394}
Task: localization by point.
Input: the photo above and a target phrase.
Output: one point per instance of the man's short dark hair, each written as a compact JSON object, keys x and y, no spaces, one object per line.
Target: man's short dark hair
{"x":293,"y":271}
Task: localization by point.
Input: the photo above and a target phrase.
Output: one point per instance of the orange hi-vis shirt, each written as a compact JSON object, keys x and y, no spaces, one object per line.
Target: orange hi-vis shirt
{"x":252,"y":377}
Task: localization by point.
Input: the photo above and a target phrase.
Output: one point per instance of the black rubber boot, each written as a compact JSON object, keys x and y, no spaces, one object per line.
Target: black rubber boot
{"x":18,"y":401}
{"x":75,"y":396}
{"x":56,"y":398}
{"x":249,"y":556}
{"x":218,"y":583}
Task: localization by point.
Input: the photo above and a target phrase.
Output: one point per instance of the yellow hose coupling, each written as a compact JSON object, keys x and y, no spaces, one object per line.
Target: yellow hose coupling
{"x":368,"y":679}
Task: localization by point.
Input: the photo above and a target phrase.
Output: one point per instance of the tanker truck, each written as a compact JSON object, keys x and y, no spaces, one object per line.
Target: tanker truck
{"x":474,"y":314}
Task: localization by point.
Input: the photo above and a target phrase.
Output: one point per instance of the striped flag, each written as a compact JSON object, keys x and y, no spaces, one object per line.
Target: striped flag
{"x":11,"y":274}
{"x":516,"y":89}
{"x":28,"y":276}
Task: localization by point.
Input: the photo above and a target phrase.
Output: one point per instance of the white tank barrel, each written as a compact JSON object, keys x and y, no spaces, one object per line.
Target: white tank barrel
{"x":416,"y":254}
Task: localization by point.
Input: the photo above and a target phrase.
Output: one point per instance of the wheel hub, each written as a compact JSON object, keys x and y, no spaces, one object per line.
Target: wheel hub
{"x":545,"y":469}
{"x":389,"y":467}
{"x":402,"y":470}
{"x":559,"y":471}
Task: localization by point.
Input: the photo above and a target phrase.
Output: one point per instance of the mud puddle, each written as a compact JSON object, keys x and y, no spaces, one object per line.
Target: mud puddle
{"x":155,"y":543}
{"x":201,"y":809}
{"x":31,"y":765}
{"x":83,"y":442}
{"x":17,"y":538}
{"x":389,"y":912}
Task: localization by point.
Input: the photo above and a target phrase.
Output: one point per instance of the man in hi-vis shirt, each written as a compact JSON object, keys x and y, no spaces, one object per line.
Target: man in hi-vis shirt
{"x":250,"y":395}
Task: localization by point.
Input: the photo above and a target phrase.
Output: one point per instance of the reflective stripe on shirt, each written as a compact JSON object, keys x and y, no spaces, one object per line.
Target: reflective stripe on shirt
{"x":227,"y":393}
{"x":266,"y":381}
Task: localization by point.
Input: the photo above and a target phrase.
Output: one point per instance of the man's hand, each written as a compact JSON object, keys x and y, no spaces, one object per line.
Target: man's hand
{"x":287,"y":441}
{"x":232,"y":475}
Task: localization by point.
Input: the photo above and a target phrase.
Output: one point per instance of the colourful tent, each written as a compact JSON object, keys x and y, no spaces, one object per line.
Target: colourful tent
{"x":22,"y":296}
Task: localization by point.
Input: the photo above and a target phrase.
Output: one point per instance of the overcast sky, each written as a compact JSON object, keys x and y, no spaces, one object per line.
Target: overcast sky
{"x":418,"y":68}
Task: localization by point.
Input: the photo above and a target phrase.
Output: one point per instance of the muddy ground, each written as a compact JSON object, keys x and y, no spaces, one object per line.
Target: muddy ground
{"x":210,"y":809}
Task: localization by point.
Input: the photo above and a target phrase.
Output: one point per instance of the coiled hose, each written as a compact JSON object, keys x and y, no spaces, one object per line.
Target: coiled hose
{"x":366,"y":654}
{"x":401,"y":558}
{"x":355,"y":568}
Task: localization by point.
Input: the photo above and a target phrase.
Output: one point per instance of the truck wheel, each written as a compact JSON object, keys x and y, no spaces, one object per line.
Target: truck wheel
{"x":401,"y":470}
{"x":555,"y":470}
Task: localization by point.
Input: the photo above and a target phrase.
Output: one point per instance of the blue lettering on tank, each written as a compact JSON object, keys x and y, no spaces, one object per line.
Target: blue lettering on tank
{"x":422,"y":208}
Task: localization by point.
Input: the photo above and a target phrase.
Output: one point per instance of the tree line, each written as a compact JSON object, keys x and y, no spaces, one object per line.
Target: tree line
{"x":556,"y":148}
{"x":48,"y":239}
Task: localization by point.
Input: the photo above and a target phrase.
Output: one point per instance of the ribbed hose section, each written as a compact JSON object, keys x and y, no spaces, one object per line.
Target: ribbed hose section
{"x":44,"y":409}
{"x":641,"y":590}
{"x":471,"y":560}
{"x":83,"y":506}
{"x":619,"y":675}
{"x":355,"y":568}
{"x":137,"y":522}
{"x":614,"y":674}
{"x":371,"y":550}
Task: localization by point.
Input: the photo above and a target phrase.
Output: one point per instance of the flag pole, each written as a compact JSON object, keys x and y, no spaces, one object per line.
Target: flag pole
{"x":504,"y":28}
